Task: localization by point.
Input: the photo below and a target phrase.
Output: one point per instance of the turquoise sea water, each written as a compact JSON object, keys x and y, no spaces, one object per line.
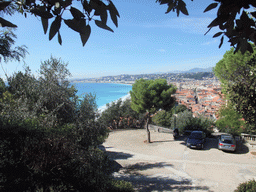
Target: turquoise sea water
{"x":105,"y":92}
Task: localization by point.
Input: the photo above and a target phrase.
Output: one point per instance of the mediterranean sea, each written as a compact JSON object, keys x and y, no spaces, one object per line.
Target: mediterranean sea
{"x":105,"y":92}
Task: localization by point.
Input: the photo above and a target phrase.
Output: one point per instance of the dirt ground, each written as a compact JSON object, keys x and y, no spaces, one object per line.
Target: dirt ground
{"x":168,"y":165}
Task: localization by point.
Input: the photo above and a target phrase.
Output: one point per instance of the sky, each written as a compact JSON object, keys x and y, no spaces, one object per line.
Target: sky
{"x":146,"y":41}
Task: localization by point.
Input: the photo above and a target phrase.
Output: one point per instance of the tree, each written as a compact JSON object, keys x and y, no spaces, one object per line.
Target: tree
{"x":179,"y":108}
{"x":148,"y":96}
{"x":119,"y":114}
{"x":2,"y":87}
{"x":243,"y":93}
{"x":237,"y":75}
{"x":7,"y":52}
{"x":61,"y":156}
{"x":231,"y":66}
{"x":57,"y":95}
{"x":230,"y":121}
{"x":162,"y":118}
{"x":240,"y":29}
{"x":185,"y":121}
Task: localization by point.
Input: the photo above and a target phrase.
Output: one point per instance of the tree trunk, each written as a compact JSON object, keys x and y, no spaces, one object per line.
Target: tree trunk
{"x":148,"y":132}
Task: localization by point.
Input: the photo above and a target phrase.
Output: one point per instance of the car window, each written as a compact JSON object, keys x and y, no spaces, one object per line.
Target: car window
{"x":195,"y":135}
{"x":227,"y":141}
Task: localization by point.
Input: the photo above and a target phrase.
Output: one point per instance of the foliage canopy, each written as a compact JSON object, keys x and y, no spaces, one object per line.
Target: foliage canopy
{"x":148,"y":96}
{"x":152,"y":95}
{"x":237,"y":75}
{"x":234,"y":18}
{"x":49,"y":138}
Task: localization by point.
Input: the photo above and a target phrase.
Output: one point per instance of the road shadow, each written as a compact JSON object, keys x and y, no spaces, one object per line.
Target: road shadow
{"x":114,"y":166}
{"x":165,"y":141}
{"x":211,"y":143}
{"x":118,"y":155}
{"x":113,"y":155}
{"x":158,"y":182}
{"x":143,"y":183}
{"x":141,"y":166}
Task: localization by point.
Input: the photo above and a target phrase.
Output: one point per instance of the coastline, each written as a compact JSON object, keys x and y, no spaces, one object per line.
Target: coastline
{"x":110,"y":82}
{"x":103,"y":107}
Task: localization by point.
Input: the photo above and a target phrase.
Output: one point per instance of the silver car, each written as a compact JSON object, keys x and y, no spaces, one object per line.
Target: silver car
{"x":227,"y":143}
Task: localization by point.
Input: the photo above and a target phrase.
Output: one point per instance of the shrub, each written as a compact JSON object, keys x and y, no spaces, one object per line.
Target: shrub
{"x":162,"y":118}
{"x":120,"y":186}
{"x":249,"y":186}
{"x":186,"y":122}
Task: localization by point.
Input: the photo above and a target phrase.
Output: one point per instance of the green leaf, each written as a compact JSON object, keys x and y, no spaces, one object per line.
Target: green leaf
{"x":210,"y":7}
{"x":113,"y":13}
{"x":59,"y":38}
{"x":55,"y":26}
{"x":86,"y":34}
{"x":178,"y":12}
{"x":221,"y":41}
{"x":103,"y":26}
{"x":77,"y":14}
{"x":170,"y":7}
{"x":75,"y":24}
{"x":249,"y":48}
{"x":45,"y":24}
{"x":42,"y":13}
{"x":113,"y":8}
{"x":5,"y":23}
{"x":214,"y":23}
{"x":104,"y":14}
{"x":182,"y":7}
{"x":243,"y":45}
{"x":217,"y":34}
{"x":113,"y":18}
{"x":87,"y":7}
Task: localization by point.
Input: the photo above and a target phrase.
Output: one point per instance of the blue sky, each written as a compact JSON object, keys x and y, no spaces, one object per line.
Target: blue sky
{"x":146,"y":41}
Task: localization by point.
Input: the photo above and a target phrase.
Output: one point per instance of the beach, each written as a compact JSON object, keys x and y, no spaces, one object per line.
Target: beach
{"x":105,"y":92}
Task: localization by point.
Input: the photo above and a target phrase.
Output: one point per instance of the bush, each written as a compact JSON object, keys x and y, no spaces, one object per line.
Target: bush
{"x":163,"y":118}
{"x":186,"y":122}
{"x":249,"y":186}
{"x":120,"y":186}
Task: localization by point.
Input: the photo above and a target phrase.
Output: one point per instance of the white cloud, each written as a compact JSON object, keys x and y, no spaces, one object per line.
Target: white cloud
{"x":215,"y":41}
{"x":195,"y":25}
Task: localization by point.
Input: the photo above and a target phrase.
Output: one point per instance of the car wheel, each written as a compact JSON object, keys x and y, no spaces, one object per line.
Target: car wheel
{"x":202,"y":146}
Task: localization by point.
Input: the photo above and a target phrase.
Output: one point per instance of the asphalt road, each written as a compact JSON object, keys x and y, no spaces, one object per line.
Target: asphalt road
{"x":168,"y":165}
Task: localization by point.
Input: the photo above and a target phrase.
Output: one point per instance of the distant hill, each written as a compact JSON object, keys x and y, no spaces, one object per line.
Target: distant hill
{"x":195,"y":70}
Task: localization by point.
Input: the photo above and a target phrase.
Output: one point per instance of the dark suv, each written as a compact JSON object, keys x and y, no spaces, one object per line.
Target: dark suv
{"x":196,"y":140}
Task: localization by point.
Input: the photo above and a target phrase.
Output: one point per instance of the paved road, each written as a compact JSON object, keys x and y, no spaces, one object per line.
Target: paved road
{"x":168,"y":165}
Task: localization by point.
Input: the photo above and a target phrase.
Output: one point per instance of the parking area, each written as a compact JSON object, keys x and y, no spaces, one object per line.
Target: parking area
{"x":168,"y":165}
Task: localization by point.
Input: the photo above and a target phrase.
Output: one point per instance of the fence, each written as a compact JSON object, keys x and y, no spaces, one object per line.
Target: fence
{"x":160,"y":129}
{"x":248,"y":137}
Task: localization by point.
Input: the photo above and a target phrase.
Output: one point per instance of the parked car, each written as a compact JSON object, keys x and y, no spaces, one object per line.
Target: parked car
{"x":227,"y":143}
{"x":196,"y":140}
